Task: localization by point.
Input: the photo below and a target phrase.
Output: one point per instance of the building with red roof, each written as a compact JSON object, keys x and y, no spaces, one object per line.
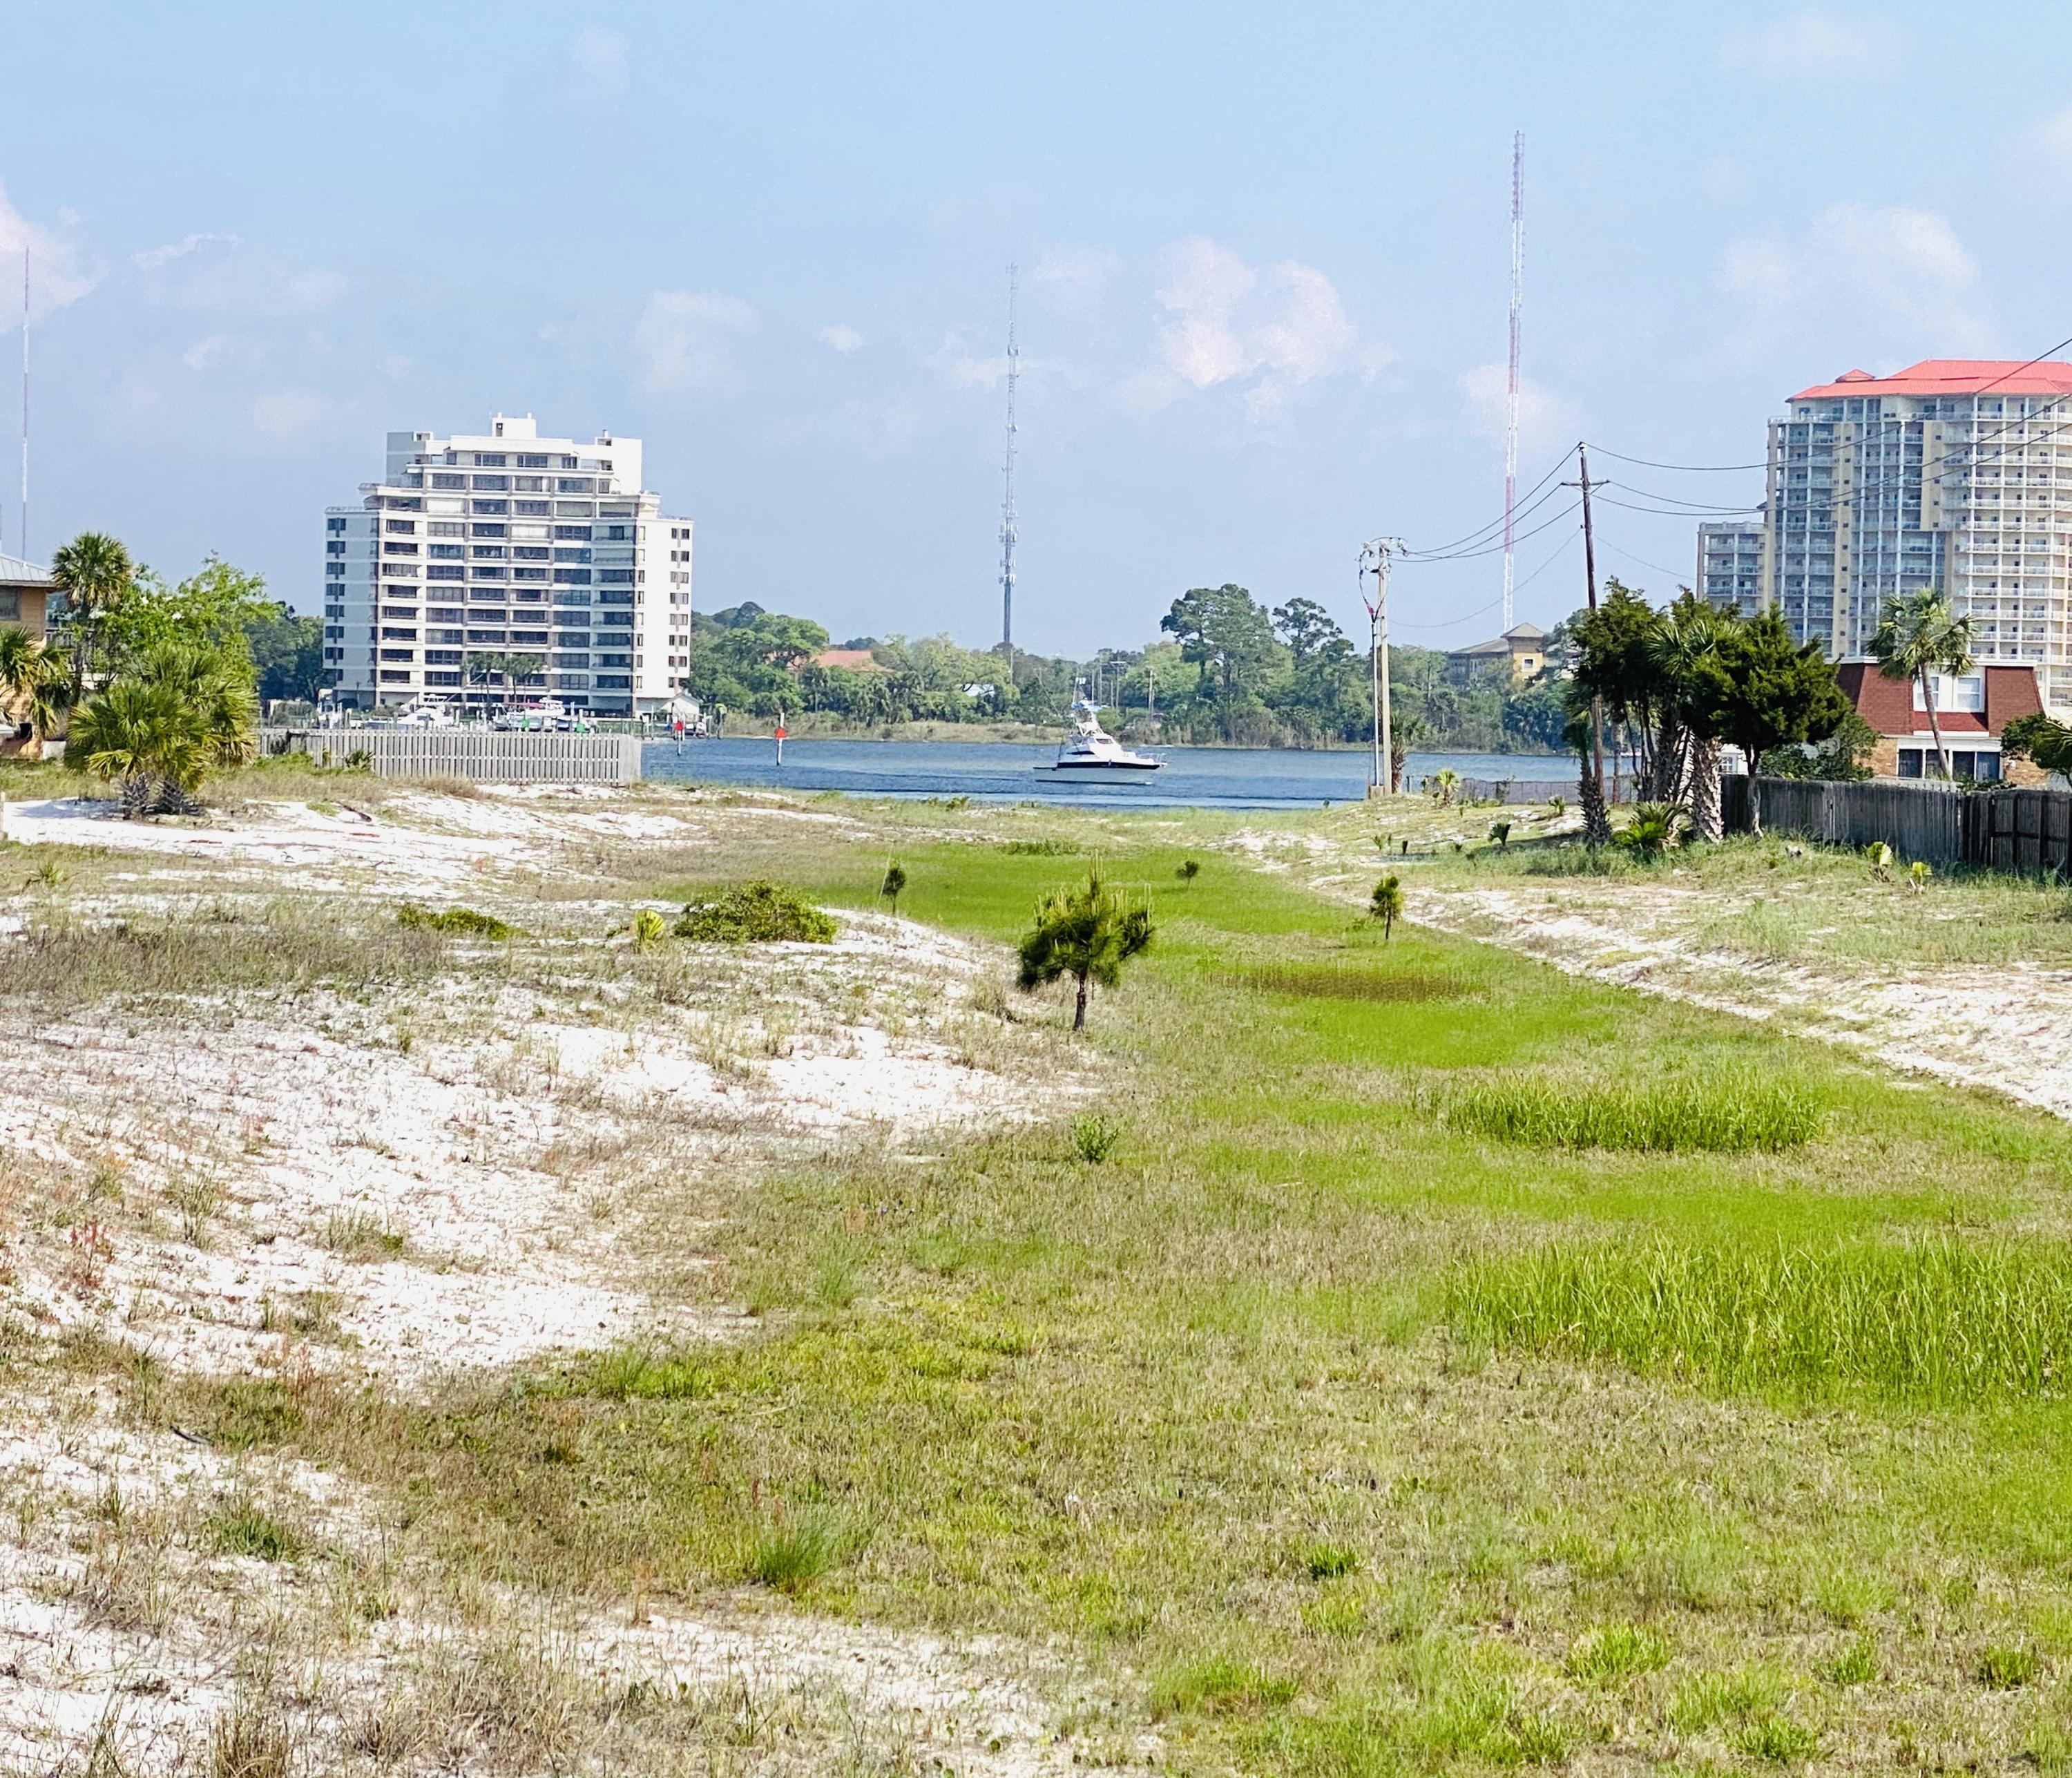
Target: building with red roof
{"x":1953,"y":475}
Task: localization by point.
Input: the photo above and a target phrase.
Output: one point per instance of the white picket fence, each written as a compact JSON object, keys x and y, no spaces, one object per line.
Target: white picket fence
{"x":484,"y":756}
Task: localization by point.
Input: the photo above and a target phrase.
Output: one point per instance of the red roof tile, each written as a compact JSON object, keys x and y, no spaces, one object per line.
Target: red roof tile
{"x":1953,"y":377}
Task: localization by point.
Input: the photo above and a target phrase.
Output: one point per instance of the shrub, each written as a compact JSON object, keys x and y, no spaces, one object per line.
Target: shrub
{"x":649,"y":929}
{"x":1776,"y":1739}
{"x":1094,"y":1137}
{"x":1653,"y":829}
{"x":463,"y":922}
{"x":757,"y":913}
{"x":1941,"y":1321}
{"x":1189,"y":870}
{"x":1856,"y":1664}
{"x":1729,"y":1113}
{"x":1615,"y":1651}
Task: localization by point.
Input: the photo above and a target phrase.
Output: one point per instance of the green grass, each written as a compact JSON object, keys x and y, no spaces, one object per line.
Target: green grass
{"x":1219,"y":1418}
{"x":242,"y":1527}
{"x":1735,"y":1114}
{"x":1938,"y":1320}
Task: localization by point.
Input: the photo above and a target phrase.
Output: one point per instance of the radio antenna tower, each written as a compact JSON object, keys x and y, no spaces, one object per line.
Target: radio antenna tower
{"x":1007,"y":480}
{"x":23,"y":544}
{"x":1511,"y":410}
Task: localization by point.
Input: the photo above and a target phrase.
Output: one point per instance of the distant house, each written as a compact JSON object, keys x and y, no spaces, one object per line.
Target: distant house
{"x":28,"y":597}
{"x":1972,"y":709}
{"x":849,"y":660}
{"x":1521,"y":650}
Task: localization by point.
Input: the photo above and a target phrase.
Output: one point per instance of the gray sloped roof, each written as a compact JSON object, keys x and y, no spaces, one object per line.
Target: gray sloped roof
{"x":15,"y":572}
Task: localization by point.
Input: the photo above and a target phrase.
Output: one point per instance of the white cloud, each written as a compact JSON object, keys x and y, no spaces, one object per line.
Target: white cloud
{"x":685,"y":341}
{"x":841,"y":336}
{"x":152,"y":258}
{"x":1226,"y":323}
{"x":293,"y":418}
{"x":1544,"y":419}
{"x":1893,"y":279}
{"x":1078,"y":272}
{"x":2048,"y":143}
{"x":1818,"y":45}
{"x":599,"y":57}
{"x":56,"y":277}
{"x":219,"y":349}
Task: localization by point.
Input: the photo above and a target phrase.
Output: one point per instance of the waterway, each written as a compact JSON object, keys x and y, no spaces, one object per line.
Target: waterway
{"x":1013,"y":772}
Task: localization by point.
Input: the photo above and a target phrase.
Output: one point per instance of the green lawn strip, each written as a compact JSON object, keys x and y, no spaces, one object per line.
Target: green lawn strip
{"x":1127,"y":1402}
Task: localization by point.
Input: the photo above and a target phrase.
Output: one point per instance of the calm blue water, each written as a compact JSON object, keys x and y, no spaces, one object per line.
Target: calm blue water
{"x":1007,"y":771}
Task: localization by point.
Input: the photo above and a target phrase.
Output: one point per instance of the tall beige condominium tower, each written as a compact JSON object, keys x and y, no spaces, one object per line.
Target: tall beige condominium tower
{"x":1954,"y":474}
{"x":504,"y":543}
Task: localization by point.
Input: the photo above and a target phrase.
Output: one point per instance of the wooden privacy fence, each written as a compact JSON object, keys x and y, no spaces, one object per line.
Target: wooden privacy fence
{"x":1534,"y":790}
{"x":487,"y":756}
{"x":2005,"y":830}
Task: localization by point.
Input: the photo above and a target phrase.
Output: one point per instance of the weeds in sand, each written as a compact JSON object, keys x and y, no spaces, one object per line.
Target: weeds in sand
{"x":1941,"y":1320}
{"x":1721,"y":1113}
{"x":197,"y":1198}
{"x":242,"y":1527}
{"x":250,"y":1740}
{"x":1219,"y":1686}
{"x":456,"y":922}
{"x":1330,"y":1560}
{"x":361,"y":1234}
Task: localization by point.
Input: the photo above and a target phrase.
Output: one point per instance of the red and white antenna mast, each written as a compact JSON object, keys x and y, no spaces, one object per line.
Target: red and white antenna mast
{"x":1510,"y":412}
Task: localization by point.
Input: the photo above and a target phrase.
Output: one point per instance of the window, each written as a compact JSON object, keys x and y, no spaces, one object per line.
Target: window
{"x":617,"y":681}
{"x":442,"y":635}
{"x":399,"y":549}
{"x":488,"y":530}
{"x":485,"y":636}
{"x":399,"y":654}
{"x":531,"y":460}
{"x":571,"y":553}
{"x":449,"y":481}
{"x":334,"y":548}
{"x":569,"y":463}
{"x":334,"y":524}
{"x":441,"y":570}
{"x":493,"y":484}
{"x":527,"y":552}
{"x":484,"y":459}
{"x":390,"y":677}
{"x":617,"y":576}
{"x":528,"y":484}
{"x":537,"y":509}
{"x":572,"y":576}
{"x":401,"y":528}
{"x":487,"y":552}
{"x":493,"y":508}
{"x":528,"y":574}
{"x":444,"y":528}
{"x":441,"y":678}
{"x":398,"y":503}
{"x":444,"y":552}
{"x":537,"y":638}
{"x":482,"y":572}
{"x":578,"y":533}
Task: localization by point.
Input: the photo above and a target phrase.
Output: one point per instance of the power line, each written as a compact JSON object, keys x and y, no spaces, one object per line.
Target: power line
{"x":1482,"y":531}
{"x":1496,"y":548}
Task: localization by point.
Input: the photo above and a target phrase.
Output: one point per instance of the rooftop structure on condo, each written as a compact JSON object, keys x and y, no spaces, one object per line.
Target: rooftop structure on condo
{"x":500,"y":544}
{"x":1954,"y":474}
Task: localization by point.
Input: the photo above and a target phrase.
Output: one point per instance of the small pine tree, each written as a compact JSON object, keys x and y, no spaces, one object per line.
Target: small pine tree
{"x":895,"y":880}
{"x":1086,"y":933}
{"x":1386,"y":906}
{"x":1188,"y":871}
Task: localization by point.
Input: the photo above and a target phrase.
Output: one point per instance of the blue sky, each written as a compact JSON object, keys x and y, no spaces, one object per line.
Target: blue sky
{"x":1264,"y":253}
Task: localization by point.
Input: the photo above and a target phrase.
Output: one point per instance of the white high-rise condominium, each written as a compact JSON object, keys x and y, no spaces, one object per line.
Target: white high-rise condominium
{"x":1954,"y":474}
{"x":504,"y":543}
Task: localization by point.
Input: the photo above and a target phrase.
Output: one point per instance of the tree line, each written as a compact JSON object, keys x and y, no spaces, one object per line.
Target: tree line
{"x":1224,"y":668}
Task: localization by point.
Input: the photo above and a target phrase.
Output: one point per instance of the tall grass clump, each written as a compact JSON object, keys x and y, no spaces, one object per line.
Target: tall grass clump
{"x":1731,"y":1113}
{"x":1943,"y":1322}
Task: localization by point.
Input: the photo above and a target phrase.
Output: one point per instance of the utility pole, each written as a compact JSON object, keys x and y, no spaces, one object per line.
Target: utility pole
{"x":1374,"y":558}
{"x":1597,"y":818}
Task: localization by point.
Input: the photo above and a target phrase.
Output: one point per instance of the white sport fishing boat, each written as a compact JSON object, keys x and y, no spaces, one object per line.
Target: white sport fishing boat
{"x":1090,"y":747}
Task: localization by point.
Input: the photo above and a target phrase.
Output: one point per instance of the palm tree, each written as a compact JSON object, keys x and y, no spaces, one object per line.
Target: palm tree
{"x":162,"y":729}
{"x":1085,"y":932}
{"x":1386,"y":906}
{"x":488,"y":669}
{"x":35,"y":683}
{"x":1404,"y":733}
{"x":1918,"y":637}
{"x":94,"y":574}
